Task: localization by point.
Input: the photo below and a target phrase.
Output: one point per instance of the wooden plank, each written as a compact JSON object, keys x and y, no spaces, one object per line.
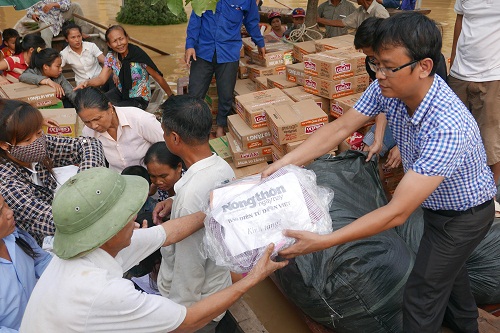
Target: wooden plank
{"x":246,"y":318}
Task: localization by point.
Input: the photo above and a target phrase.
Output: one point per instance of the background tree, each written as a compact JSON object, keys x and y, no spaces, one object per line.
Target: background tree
{"x":150,"y":12}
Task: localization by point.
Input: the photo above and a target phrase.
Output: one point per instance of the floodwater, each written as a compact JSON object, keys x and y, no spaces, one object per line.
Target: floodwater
{"x":270,"y":306}
{"x":171,"y":38}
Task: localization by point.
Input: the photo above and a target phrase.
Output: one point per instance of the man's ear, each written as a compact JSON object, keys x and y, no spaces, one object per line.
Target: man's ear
{"x":176,"y":138}
{"x":426,"y":67}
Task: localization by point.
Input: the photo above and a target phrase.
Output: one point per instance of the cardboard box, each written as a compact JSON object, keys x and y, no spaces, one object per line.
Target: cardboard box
{"x":67,"y":119}
{"x":295,"y":73}
{"x":279,"y":81}
{"x":276,"y":153}
{"x":334,"y":65}
{"x":251,"y":107}
{"x":248,"y":137}
{"x":345,"y":42}
{"x":261,"y":83}
{"x":289,"y":123}
{"x":37,"y":96}
{"x":255,"y":71}
{"x":243,"y":87}
{"x":303,"y":48}
{"x":338,"y":88}
{"x":277,"y":53}
{"x":248,"y":170}
{"x":248,"y":157}
{"x":298,"y":94}
{"x":243,"y":68}
{"x":3,"y":80}
{"x":339,"y":106}
{"x":213,"y":102}
{"x":220,"y":146}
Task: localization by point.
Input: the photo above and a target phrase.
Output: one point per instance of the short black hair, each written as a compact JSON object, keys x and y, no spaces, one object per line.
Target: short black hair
{"x":9,"y":33}
{"x":415,"y":32}
{"x":189,"y":117}
{"x":158,"y":152}
{"x":365,"y":34}
{"x":43,"y":57}
{"x":70,"y":26}
{"x":137,"y":170}
{"x":90,"y":98}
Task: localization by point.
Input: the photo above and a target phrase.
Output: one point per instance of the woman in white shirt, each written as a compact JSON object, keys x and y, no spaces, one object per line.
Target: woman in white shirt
{"x":126,"y":133}
{"x":85,"y":58}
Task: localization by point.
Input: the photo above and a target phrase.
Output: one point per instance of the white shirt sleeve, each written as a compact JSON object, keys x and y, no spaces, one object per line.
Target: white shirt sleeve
{"x":144,"y":242}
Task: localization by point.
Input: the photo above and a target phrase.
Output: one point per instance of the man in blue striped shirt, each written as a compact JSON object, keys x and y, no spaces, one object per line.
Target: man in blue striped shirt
{"x":213,"y":45}
{"x":446,"y":173}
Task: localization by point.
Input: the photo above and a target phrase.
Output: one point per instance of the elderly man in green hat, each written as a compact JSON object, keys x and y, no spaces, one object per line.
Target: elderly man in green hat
{"x":82,"y":290}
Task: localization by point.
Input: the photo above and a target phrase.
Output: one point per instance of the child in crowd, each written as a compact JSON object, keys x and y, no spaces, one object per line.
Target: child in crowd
{"x":277,"y":30}
{"x":45,"y":68}
{"x":8,"y":47}
{"x":22,"y":262}
{"x":83,"y":57}
{"x":16,"y":64}
{"x":139,"y":170}
{"x":298,"y":19}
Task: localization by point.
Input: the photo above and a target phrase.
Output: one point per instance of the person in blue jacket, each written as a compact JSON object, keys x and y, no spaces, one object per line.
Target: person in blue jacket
{"x":213,"y":45}
{"x":22,"y":262}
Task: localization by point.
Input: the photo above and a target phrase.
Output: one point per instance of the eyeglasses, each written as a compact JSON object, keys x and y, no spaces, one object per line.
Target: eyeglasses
{"x":388,"y":72}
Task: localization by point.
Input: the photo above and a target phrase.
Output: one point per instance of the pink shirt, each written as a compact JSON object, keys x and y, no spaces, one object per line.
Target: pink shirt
{"x":137,"y":131}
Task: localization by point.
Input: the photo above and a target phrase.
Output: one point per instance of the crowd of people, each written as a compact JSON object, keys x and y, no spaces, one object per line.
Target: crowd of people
{"x":134,"y":187}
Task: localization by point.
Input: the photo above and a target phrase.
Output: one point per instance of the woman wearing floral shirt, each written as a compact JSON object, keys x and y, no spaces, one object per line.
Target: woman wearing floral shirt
{"x":132,"y":66}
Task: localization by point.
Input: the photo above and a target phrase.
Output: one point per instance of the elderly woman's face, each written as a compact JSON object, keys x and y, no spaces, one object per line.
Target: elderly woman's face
{"x":118,"y":41}
{"x":97,"y":119}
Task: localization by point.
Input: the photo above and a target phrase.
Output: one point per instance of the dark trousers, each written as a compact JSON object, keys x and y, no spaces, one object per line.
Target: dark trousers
{"x":116,"y":98}
{"x":438,"y":288}
{"x":199,"y":81}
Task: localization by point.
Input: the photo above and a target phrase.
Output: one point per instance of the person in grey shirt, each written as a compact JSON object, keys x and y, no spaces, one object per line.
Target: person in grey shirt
{"x":366,"y":9}
{"x":335,"y":10}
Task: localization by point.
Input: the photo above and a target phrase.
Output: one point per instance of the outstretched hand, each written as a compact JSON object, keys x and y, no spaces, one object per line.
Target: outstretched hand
{"x":306,"y":242}
{"x":265,"y":266}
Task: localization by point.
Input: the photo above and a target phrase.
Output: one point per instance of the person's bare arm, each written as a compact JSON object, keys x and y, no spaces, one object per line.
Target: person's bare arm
{"x":160,"y":80}
{"x":162,"y":209}
{"x":376,"y":147}
{"x":182,"y":227}
{"x":332,"y":23}
{"x":202,"y":312}
{"x":456,"y":34}
{"x":413,"y":189}
{"x":100,"y":59}
{"x":98,"y":80}
{"x":322,"y":141}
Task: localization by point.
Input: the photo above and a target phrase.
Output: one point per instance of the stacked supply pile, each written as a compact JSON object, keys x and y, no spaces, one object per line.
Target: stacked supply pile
{"x":249,"y":137}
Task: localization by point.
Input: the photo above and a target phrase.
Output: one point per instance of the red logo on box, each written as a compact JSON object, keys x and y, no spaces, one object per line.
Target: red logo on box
{"x":260,"y":119}
{"x":249,"y":155}
{"x":309,"y":65}
{"x":59,"y":130}
{"x":337,"y":109}
{"x":342,"y":68}
{"x":312,"y":128}
{"x":310,"y":83}
{"x":343,"y":86}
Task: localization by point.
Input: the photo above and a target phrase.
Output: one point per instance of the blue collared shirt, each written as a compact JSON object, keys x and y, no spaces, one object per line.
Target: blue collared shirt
{"x":440,"y":139}
{"x":18,"y":278}
{"x":220,"y":32}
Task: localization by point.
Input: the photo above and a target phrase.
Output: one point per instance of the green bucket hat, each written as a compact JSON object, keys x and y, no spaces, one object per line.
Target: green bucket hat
{"x":93,"y":206}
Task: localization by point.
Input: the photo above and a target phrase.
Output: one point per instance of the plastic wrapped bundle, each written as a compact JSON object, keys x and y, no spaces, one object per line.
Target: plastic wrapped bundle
{"x":358,"y":286}
{"x":246,"y":215}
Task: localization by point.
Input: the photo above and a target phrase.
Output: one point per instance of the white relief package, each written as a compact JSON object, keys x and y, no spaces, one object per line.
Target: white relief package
{"x":246,"y":215}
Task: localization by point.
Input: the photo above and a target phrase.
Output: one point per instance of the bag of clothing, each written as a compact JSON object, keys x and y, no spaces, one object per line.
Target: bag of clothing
{"x":246,"y":215}
{"x":357,"y":286}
